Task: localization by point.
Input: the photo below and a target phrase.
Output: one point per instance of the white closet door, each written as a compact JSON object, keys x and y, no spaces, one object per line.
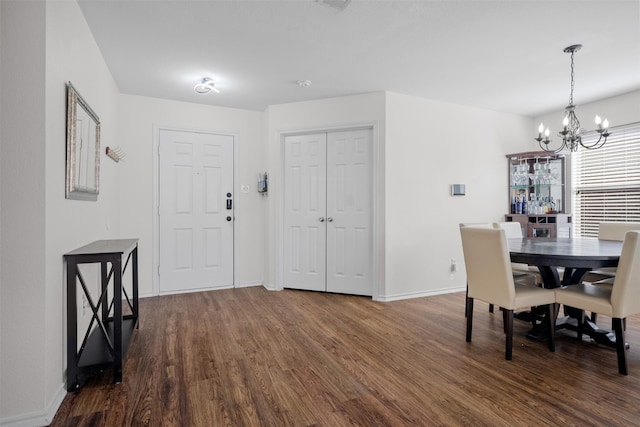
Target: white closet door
{"x":305,"y":212}
{"x":196,"y":224}
{"x":349,"y":224}
{"x":328,"y":212}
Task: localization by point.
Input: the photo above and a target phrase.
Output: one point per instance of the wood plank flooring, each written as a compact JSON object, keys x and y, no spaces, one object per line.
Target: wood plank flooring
{"x":252,"y":357}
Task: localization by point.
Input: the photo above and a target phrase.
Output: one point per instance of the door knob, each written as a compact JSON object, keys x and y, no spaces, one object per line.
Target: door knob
{"x":330,"y":219}
{"x":228,"y":218}
{"x":321,"y":219}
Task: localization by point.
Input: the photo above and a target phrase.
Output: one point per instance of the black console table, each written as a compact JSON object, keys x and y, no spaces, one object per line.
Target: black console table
{"x":105,"y":344}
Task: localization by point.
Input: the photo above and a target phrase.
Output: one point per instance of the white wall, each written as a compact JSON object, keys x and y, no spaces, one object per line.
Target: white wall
{"x":22,"y":296}
{"x":45,"y":44}
{"x":139,"y":118}
{"x":73,"y":55}
{"x":429,"y":146}
{"x":367,"y":109}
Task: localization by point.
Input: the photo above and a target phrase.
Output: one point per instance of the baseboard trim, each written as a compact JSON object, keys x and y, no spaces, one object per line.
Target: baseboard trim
{"x":249,"y":284}
{"x":37,"y":418}
{"x":398,"y":297}
{"x":239,"y":285}
{"x":26,"y":420}
{"x":269,"y":287}
{"x":190,"y":291}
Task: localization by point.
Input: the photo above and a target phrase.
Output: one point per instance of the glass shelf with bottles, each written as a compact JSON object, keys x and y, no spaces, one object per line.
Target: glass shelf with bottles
{"x":536,"y":183}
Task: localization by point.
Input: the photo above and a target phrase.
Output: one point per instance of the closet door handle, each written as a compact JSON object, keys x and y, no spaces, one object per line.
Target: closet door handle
{"x":321,"y":219}
{"x":330,"y":219}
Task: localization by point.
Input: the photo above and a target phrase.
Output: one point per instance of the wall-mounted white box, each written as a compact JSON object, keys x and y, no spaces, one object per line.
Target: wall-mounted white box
{"x":457,"y":190}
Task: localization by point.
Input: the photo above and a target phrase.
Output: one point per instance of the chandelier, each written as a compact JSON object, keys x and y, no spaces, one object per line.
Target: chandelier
{"x":572,"y":132}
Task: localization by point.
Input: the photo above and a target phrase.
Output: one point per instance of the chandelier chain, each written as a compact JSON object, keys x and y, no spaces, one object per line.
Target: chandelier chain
{"x":572,"y":82}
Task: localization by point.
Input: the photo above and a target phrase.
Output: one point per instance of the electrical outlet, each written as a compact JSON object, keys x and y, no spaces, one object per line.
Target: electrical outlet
{"x":454,"y":266}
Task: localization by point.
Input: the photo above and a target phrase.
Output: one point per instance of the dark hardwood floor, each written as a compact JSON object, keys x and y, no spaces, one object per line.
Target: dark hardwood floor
{"x":250,"y":357}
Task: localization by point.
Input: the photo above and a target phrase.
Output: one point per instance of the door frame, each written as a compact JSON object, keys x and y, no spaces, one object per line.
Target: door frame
{"x":155,"y":214}
{"x":377,"y":204}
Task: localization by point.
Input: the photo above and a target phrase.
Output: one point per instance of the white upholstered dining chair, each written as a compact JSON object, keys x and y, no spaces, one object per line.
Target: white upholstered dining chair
{"x":618,"y":301}
{"x":522,"y":273}
{"x":615,"y":230}
{"x":608,"y":230}
{"x":524,"y":277}
{"x":490,"y":279}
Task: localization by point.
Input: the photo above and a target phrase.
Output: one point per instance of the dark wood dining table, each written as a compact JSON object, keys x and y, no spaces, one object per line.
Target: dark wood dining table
{"x":576,"y":256}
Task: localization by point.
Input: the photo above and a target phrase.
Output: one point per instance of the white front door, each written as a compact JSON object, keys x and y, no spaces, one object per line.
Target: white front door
{"x":328,"y":212}
{"x":305,"y":212}
{"x":196,"y":211}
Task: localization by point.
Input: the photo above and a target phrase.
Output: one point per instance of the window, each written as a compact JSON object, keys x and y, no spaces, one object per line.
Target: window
{"x":606,"y":181}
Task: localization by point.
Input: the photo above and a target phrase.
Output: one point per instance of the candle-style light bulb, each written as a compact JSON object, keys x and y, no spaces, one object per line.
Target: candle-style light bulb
{"x":546,"y":133}
{"x":598,"y":120}
{"x":565,"y":121}
{"x":605,"y":124}
{"x":540,"y":128}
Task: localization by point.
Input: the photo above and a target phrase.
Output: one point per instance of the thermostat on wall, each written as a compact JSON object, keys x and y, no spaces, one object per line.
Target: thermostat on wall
{"x":457,"y":189}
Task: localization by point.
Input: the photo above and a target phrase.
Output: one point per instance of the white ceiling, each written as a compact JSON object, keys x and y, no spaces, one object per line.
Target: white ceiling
{"x":500,"y":55}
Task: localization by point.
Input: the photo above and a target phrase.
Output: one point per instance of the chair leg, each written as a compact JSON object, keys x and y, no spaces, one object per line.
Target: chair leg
{"x":594,"y":317}
{"x":624,"y":324}
{"x":469,"y":313}
{"x":490,"y":308}
{"x":552,"y":315}
{"x":504,"y":319}
{"x":621,"y":349}
{"x":466,"y":301}
{"x":509,"y":338}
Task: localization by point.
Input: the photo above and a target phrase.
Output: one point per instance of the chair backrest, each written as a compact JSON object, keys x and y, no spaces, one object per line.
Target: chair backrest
{"x":476,"y":224}
{"x":610,"y":230}
{"x":625,"y":295}
{"x":488,"y":266}
{"x":513,"y":230}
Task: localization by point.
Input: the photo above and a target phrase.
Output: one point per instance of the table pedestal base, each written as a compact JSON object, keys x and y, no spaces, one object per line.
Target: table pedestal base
{"x":539,"y":331}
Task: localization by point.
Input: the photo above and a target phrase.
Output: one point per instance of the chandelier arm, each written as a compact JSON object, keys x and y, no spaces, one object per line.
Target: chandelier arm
{"x":545,"y":146}
{"x":598,"y":144}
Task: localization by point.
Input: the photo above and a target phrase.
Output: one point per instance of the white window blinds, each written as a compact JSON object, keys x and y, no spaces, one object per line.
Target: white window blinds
{"x":606,"y":181}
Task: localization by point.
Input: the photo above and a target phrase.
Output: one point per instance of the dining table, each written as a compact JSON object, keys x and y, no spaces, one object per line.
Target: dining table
{"x":563,"y":262}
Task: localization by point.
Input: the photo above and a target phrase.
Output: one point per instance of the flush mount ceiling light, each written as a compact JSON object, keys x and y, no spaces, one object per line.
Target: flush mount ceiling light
{"x":572,"y":132}
{"x":205,"y":86}
{"x":304,"y":83}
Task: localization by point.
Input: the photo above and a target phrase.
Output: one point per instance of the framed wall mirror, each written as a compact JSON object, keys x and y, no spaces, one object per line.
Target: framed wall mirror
{"x":83,"y":148}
